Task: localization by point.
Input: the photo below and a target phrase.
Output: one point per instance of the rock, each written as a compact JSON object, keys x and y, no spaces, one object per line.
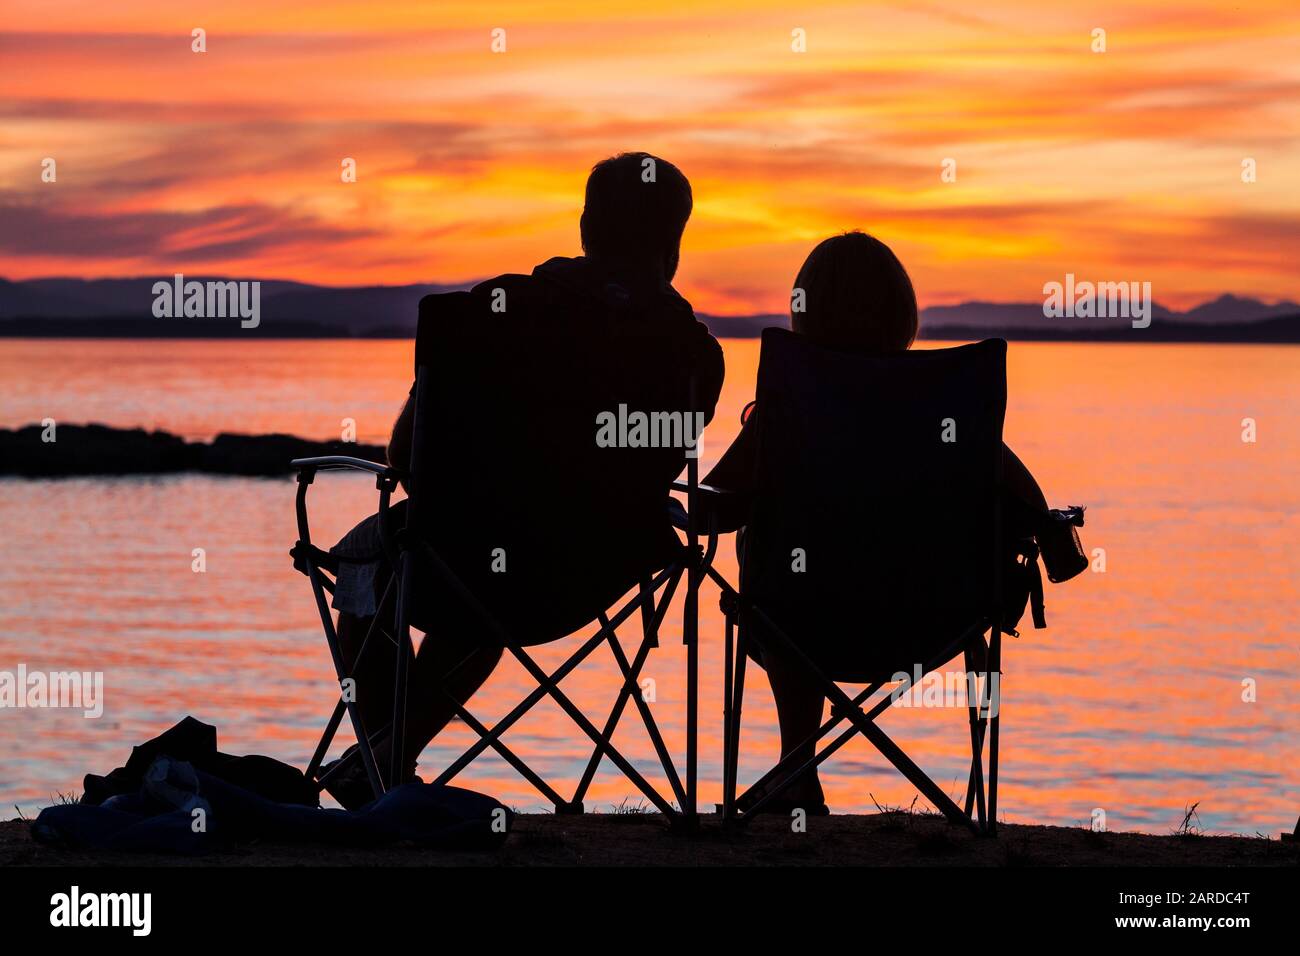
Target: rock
{"x":101,"y":450}
{"x":270,"y":454}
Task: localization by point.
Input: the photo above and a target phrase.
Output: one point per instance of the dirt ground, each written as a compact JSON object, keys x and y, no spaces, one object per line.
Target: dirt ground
{"x":635,"y":839}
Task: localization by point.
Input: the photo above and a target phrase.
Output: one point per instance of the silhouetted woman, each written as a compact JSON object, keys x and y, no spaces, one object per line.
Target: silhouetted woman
{"x":856,"y":295}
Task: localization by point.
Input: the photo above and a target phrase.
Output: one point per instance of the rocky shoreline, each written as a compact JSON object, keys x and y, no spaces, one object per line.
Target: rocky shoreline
{"x":83,"y":450}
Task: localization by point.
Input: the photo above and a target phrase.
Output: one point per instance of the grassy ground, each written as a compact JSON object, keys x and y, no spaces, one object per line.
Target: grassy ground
{"x":640,"y":839}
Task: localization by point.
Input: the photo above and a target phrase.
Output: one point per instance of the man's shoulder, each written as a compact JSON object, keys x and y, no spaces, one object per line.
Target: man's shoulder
{"x":479,"y":297}
{"x":507,"y":280}
{"x":565,"y":293}
{"x":509,"y":288}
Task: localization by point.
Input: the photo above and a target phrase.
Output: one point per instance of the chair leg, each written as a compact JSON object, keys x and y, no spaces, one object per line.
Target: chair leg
{"x":607,"y":733}
{"x":491,"y":737}
{"x":510,"y":757}
{"x":787,"y":777}
{"x":975,"y":801}
{"x":336,"y":653}
{"x":732,"y":758}
{"x":815,"y":761}
{"x":547,"y":683}
{"x":848,"y":708}
{"x":834,"y":721}
{"x":689,"y":807}
{"x":728,"y":665}
{"x":837,"y":714}
{"x":651,"y":616}
{"x":995,"y":714}
{"x":341,"y":765}
{"x":975,"y":784}
{"x":919,"y":779}
{"x":405,"y":590}
{"x":647,"y":718}
{"x":520,"y":709}
{"x":632,"y":689}
{"x":690,"y":631}
{"x":977,"y":750}
{"x":326,"y":739}
{"x":585,"y":725}
{"x":331,"y":729}
{"x":611,"y":723}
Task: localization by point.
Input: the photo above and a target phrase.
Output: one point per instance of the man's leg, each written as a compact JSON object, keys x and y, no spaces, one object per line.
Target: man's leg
{"x":374,"y":675}
{"x":429,"y":708}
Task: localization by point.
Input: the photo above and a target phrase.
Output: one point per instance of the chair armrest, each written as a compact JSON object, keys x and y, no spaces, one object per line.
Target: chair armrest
{"x":342,"y":462}
{"x":708,"y":490}
{"x":710,"y":499}
{"x":723,"y":508}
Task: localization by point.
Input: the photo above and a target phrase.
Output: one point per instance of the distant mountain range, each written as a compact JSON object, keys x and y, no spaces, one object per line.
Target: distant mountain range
{"x":123,"y":307}
{"x":295,"y":309}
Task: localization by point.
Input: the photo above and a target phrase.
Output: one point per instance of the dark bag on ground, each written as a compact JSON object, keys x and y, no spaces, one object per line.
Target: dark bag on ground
{"x":196,"y":743}
{"x":164,"y":816}
{"x":149,"y":805}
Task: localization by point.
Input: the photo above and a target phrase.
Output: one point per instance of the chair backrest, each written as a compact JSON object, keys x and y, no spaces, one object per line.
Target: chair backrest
{"x":874,"y":538}
{"x":511,"y":472}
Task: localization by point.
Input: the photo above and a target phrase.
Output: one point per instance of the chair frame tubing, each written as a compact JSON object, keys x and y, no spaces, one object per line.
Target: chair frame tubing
{"x":983,"y":716}
{"x":409,"y":555}
{"x":842,"y":707}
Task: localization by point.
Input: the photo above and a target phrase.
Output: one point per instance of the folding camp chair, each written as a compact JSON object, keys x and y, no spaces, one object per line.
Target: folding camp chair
{"x":469,"y":387}
{"x":872,"y":548}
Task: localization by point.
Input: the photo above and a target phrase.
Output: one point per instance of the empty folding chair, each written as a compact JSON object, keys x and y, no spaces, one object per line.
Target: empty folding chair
{"x":873,"y":545}
{"x":511,"y":489}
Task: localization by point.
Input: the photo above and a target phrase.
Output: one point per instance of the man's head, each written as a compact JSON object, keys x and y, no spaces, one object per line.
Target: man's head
{"x":636,"y":210}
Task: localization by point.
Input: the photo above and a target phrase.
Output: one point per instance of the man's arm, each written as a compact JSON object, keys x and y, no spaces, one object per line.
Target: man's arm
{"x":710,"y":369}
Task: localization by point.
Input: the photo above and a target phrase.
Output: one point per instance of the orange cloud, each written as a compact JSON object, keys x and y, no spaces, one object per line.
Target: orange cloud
{"x":1123,"y":163}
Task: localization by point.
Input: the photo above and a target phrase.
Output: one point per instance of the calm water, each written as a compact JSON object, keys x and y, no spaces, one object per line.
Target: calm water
{"x":1131,"y":701}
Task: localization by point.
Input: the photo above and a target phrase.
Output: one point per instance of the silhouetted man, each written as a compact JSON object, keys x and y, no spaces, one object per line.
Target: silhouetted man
{"x":579,"y":523}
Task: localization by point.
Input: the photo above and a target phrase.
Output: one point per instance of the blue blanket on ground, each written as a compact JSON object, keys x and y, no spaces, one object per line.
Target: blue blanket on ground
{"x":182,"y":810}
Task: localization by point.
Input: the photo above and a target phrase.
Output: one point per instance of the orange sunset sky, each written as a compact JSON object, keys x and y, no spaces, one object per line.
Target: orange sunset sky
{"x":1123,"y":165}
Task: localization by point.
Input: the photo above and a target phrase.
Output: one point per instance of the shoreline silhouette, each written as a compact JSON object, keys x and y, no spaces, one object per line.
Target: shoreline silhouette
{"x":627,"y":835}
{"x":102,"y":450}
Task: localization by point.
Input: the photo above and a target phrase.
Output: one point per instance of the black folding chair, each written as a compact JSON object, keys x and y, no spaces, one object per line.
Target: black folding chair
{"x":472,"y":382}
{"x":873,"y":546}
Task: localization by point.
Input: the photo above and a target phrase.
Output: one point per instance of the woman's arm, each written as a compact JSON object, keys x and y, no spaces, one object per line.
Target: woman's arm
{"x":734,"y":472}
{"x":1017,"y":480}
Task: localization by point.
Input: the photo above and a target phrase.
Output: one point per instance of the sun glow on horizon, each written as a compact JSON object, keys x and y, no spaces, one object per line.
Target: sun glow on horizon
{"x":1124,"y":164}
